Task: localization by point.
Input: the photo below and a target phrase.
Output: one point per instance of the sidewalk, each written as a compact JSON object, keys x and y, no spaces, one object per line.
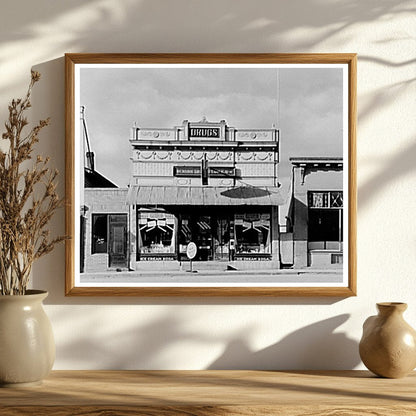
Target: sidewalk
{"x":306,"y":275}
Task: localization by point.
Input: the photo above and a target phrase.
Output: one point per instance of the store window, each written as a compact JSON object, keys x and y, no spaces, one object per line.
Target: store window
{"x":252,"y":233}
{"x":99,"y":233}
{"x":156,"y":233}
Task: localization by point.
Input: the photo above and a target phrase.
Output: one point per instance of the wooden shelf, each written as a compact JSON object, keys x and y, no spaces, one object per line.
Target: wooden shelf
{"x":202,"y":393}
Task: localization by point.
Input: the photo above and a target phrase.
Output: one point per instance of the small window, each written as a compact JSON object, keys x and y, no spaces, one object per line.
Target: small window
{"x":325,"y":199}
{"x":99,"y":233}
{"x":336,"y":200}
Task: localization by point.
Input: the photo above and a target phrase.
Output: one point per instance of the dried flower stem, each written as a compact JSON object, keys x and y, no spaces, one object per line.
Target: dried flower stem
{"x":23,"y":217}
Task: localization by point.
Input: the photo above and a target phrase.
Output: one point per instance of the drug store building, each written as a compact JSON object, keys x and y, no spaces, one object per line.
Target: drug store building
{"x":203,"y":182}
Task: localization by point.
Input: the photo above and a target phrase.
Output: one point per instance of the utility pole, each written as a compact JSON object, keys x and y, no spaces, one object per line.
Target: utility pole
{"x":89,"y":154}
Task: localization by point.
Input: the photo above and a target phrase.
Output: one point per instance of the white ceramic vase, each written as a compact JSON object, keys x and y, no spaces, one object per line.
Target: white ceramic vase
{"x":27,"y":346}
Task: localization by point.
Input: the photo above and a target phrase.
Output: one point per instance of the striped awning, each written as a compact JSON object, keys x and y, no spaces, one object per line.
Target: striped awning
{"x":204,"y":195}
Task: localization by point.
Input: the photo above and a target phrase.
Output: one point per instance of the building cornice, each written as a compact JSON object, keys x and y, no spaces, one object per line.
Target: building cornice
{"x":204,"y":145}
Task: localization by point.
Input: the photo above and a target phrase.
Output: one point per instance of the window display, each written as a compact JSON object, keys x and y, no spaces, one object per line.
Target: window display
{"x":252,"y":232}
{"x":157,"y":232}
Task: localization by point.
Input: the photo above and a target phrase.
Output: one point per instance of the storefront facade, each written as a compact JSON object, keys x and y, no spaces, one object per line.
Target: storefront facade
{"x":207,"y":183}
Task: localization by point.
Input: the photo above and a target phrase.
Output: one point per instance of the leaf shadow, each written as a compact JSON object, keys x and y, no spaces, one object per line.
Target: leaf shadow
{"x":316,"y":346}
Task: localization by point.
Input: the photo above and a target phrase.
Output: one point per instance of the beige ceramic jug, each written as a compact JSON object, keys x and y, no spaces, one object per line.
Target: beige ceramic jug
{"x":388,"y":345}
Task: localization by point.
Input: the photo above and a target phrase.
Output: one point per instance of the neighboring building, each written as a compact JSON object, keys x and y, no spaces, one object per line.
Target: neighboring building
{"x":315,"y":220}
{"x":105,"y":219}
{"x":100,"y":197}
{"x":103,"y":216}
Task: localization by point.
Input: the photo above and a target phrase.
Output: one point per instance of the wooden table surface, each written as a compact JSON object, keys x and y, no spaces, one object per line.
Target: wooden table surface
{"x":254,"y":393}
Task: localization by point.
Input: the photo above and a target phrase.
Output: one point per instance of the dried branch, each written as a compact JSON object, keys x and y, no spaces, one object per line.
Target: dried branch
{"x":24,"y":217}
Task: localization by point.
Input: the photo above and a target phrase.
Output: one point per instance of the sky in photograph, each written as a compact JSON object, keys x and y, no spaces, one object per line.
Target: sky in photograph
{"x":304,"y":103}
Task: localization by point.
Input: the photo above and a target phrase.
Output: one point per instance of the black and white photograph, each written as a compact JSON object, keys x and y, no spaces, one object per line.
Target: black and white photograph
{"x":213,"y":175}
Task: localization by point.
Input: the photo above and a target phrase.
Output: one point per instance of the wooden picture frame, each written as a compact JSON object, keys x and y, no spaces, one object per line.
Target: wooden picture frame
{"x":213,"y":206}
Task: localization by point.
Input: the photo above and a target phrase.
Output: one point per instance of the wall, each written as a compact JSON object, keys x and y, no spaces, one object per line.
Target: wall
{"x":198,"y":333}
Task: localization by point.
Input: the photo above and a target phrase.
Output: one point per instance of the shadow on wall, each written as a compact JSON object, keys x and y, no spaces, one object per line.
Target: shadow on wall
{"x":133,"y":26}
{"x":314,"y":347}
{"x":97,"y":19}
{"x":393,"y":169}
{"x":146,"y":346}
{"x":48,"y":100}
{"x":152,"y":345}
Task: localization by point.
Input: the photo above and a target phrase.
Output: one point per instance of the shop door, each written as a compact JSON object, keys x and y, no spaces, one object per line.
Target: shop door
{"x":203,"y":238}
{"x":223,"y":231}
{"x":211,"y":233}
{"x":118,"y":240}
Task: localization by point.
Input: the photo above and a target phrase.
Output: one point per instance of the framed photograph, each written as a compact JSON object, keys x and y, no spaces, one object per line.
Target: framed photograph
{"x":211,"y":174}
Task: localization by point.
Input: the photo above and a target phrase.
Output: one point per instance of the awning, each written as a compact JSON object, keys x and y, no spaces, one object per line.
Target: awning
{"x":204,"y":195}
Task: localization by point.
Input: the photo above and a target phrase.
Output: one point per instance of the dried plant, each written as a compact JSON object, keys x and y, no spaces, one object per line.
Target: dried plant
{"x":28,"y":199}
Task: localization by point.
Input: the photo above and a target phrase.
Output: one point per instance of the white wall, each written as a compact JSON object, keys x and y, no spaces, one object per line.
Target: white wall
{"x":199,"y":333}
